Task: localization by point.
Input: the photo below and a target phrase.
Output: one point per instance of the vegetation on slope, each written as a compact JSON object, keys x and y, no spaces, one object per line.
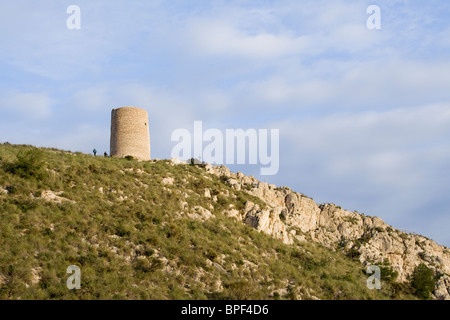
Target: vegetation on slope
{"x":135,"y":236}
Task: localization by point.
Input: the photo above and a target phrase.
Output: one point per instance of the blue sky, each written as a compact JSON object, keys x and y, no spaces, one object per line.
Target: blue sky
{"x":364,"y":115}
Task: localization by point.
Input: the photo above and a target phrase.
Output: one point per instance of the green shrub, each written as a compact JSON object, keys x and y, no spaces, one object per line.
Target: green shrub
{"x":222,"y":200}
{"x":211,"y":254}
{"x":423,"y":281}
{"x":243,"y":290}
{"x":29,"y":164}
{"x":387,"y":272}
{"x":354,"y":253}
{"x":94,"y":168}
{"x":291,"y":293}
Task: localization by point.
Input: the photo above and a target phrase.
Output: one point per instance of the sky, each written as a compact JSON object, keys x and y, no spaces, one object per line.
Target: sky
{"x":363,"y":114}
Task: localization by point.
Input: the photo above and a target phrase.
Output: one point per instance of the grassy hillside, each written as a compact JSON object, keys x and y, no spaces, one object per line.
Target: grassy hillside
{"x":137,"y":234}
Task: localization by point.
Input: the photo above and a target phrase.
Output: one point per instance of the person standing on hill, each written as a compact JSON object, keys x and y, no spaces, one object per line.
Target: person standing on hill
{"x":95,"y":152}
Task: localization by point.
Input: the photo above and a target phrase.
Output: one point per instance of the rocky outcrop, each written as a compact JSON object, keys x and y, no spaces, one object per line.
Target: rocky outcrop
{"x":442,"y":289}
{"x":51,"y":196}
{"x":404,"y":252}
{"x":267,"y":220}
{"x":290,"y":215}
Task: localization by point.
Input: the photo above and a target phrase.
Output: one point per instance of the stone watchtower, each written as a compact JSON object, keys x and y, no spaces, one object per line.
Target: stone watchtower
{"x":130,"y":133}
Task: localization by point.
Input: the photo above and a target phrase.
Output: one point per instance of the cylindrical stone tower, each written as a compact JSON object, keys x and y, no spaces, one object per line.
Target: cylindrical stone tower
{"x":130,"y":133}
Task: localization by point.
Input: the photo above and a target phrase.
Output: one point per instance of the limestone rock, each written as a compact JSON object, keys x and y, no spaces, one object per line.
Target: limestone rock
{"x":176,"y":161}
{"x":301,"y":212}
{"x":268,"y":221}
{"x":234,"y":214}
{"x":442,"y":288}
{"x":49,"y":195}
{"x":218,"y":170}
{"x":290,"y":215}
{"x":200,"y":213}
{"x":35,"y":275}
{"x":234,"y":184}
{"x":167,"y":180}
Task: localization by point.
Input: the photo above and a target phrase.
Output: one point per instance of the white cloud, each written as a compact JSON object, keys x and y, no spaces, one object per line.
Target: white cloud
{"x":304,"y":29}
{"x":377,"y":85}
{"x":221,"y":38}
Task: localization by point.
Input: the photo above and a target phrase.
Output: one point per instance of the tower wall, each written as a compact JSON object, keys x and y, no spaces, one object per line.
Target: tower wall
{"x":130,"y":133}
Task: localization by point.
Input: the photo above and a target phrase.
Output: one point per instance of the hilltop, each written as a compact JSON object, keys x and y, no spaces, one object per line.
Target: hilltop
{"x":163,"y":229}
